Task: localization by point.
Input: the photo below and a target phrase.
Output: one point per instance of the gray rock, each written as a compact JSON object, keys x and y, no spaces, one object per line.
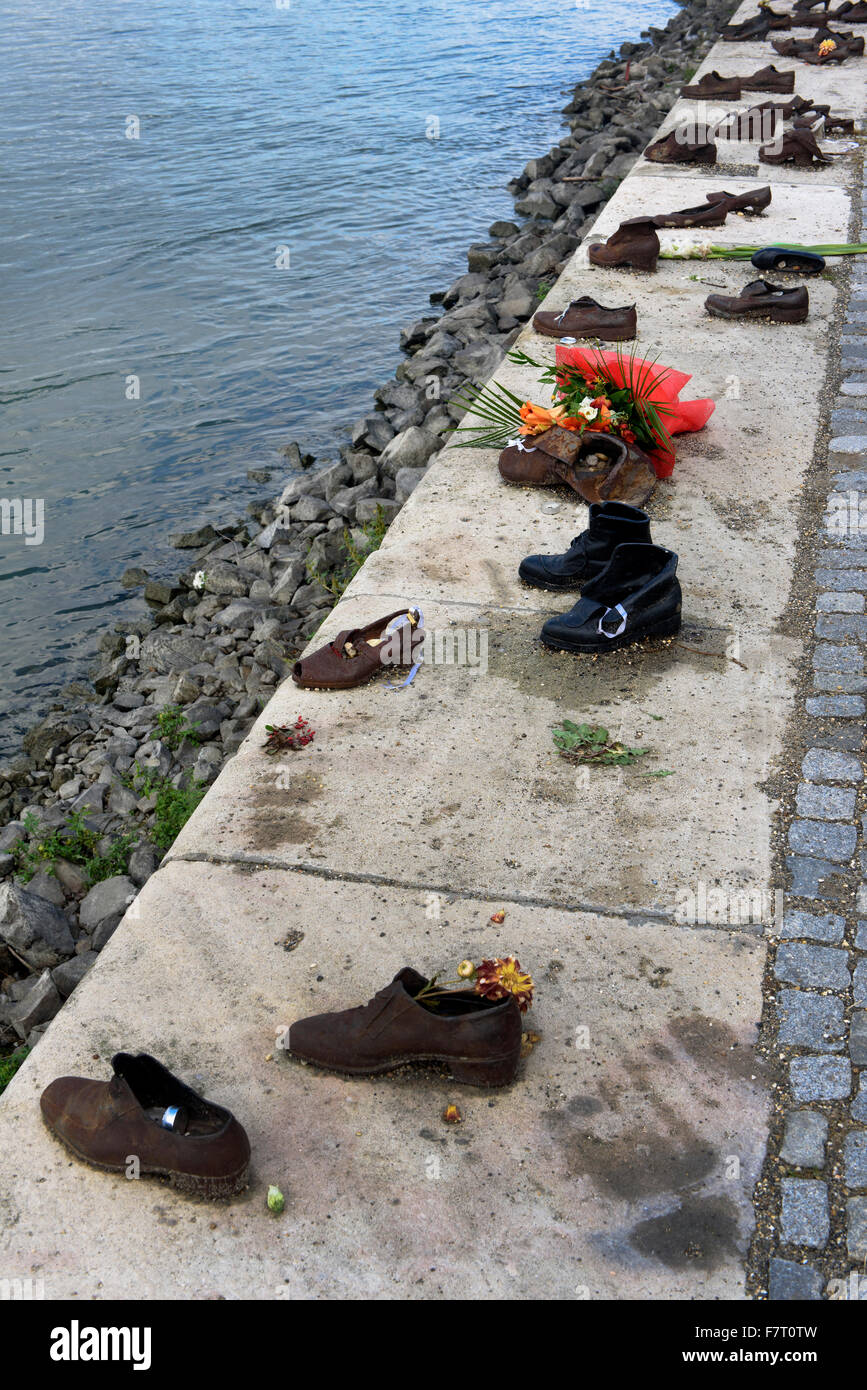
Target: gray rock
{"x":122,"y":800}
{"x":537,"y":203}
{"x":345,"y":501}
{"x":241,"y":613}
{"x":45,"y":885}
{"x":134,"y":578}
{"x":71,"y":878}
{"x":225,"y":579}
{"x":410,"y":449}
{"x":805,"y":1218}
{"x":477,"y":363}
{"x":406,"y":481}
{"x":374,"y":431}
{"x":288,"y":580}
{"x":54,"y":732}
{"x":72,"y":972}
{"x":142,"y":862}
{"x":820,"y":765}
{"x":193,"y":540}
{"x":110,"y":898}
{"x":858,"y":1038}
{"x":312,"y":509}
{"x":206,"y":717}
{"x":826,"y":803}
{"x":277,"y":532}
{"x":367,"y":510}
{"x":105,"y":931}
{"x":167,"y":652}
{"x":39,"y":1005}
{"x":823,"y":839}
{"x":11,"y":835}
{"x":805,"y":1139}
{"x":159,"y":592}
{"x":35,"y":929}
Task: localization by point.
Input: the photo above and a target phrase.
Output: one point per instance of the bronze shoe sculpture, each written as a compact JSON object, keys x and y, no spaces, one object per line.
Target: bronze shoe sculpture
{"x":586,"y":318}
{"x":146,"y":1113}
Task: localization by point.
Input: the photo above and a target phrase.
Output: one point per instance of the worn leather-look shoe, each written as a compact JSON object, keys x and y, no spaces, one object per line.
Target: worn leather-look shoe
{"x":634,"y":244}
{"x":704,"y":215}
{"x":750,"y":203}
{"x":797,"y":147}
{"x":713,"y":85}
{"x":585,"y":318}
{"x":357,"y":654}
{"x":611,"y":524}
{"x":636,"y":595}
{"x":758,"y":123}
{"x":677,"y":148}
{"x":762,"y":300}
{"x":757,"y":27}
{"x":477,"y":1038}
{"x":146,"y":1113}
{"x":769,"y":80}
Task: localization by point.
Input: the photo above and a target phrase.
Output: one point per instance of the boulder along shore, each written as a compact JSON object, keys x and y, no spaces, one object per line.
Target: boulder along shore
{"x":107,"y":779}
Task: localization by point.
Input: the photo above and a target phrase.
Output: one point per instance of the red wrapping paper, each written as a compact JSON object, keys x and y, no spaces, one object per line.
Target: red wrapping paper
{"x":685,"y":416}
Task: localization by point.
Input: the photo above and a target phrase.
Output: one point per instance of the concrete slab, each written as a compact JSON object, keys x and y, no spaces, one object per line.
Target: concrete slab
{"x":620,"y":1165}
{"x":463,"y":751}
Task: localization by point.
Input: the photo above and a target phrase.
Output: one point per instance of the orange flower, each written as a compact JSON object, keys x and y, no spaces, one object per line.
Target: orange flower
{"x":497,"y":979}
{"x":536,"y":418}
{"x":825,"y":47}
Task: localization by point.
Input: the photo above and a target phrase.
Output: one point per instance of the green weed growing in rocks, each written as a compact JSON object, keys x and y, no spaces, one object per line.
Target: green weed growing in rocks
{"x":9,"y":1066}
{"x":173,"y":805}
{"x":172,"y":728}
{"x":355,"y":554}
{"x":75,"y":842}
{"x":591,"y":744}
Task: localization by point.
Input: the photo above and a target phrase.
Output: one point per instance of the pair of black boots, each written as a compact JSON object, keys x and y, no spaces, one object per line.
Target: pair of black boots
{"x":629,"y":586}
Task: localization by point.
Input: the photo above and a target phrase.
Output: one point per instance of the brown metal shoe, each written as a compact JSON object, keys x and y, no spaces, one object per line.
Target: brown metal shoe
{"x":677,"y":148}
{"x":797,"y":147}
{"x":357,"y":654}
{"x":634,"y":244}
{"x":758,"y":27}
{"x":477,"y":1038}
{"x":585,"y":318}
{"x":853,"y":13}
{"x":750,"y":203}
{"x":145,"y":1113}
{"x":524,"y":464}
{"x":769,"y":80}
{"x":713,"y":85}
{"x":704,"y":215}
{"x":757,"y":123}
{"x":762,"y":300}
{"x":850,"y":47}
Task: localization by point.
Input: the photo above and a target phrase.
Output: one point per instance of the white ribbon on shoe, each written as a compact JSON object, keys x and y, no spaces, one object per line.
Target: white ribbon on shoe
{"x":618,"y":608}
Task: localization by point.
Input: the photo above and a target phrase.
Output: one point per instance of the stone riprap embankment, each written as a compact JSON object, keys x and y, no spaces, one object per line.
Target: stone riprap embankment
{"x":219,"y":637}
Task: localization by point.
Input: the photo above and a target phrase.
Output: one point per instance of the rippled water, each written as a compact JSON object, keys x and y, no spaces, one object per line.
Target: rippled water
{"x":260,"y":126}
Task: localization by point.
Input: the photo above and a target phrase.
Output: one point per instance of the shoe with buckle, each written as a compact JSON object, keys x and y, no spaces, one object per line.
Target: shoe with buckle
{"x":637,"y":595}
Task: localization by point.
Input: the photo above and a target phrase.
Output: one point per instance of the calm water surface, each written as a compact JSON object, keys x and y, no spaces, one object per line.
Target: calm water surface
{"x":260,"y":126}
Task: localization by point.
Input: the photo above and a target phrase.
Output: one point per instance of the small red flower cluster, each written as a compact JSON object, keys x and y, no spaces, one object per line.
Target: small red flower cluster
{"x":282,"y":736}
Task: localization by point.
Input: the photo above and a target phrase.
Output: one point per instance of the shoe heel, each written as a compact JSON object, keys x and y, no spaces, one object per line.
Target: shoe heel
{"x":499,"y":1072}
{"x":666,"y":627}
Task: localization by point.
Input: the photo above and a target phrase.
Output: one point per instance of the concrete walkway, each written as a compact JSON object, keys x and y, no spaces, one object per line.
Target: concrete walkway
{"x":623,"y":1162}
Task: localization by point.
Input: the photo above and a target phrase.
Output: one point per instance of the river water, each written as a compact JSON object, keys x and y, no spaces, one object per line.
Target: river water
{"x":217,"y":215}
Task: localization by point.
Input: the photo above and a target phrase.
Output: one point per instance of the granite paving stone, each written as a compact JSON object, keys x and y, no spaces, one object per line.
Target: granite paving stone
{"x":858,"y":1038}
{"x":861,"y":936}
{"x":810,"y":1020}
{"x":828,"y":928}
{"x":830,"y":656}
{"x":821,"y":766}
{"x":816,"y":967}
{"x":793,"y":1282}
{"x":822,"y":839}
{"x":835,"y":706}
{"x":805,"y":1217}
{"x":805,"y":1138}
{"x":855,"y":1158}
{"x":856,"y":1222}
{"x":859,"y":983}
{"x":820,"y":1078}
{"x":825,"y":803}
{"x":842,"y":580}
{"x":858,"y":1108}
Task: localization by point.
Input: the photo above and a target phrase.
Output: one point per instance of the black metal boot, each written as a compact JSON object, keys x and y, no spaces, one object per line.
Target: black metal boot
{"x":637,"y":595}
{"x":611,"y":524}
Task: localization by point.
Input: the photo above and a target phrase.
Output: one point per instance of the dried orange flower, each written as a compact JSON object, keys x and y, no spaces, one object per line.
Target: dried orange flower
{"x":497,"y":979}
{"x":452,"y":1115}
{"x":498,"y":917}
{"x":825,"y":47}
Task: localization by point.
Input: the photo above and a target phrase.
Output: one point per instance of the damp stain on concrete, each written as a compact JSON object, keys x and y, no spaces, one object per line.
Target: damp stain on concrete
{"x":276,"y":819}
{"x":702,"y":1233}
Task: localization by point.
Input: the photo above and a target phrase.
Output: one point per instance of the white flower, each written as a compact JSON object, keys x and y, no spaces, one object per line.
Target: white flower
{"x":199,"y":579}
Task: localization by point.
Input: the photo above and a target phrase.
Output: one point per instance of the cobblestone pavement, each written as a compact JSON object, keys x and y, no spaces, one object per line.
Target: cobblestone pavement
{"x":812,"y":1200}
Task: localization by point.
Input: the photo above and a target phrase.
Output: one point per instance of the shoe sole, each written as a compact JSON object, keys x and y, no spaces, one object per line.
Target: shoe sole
{"x":552,"y":588}
{"x":769,"y":315}
{"x":496,"y":1072}
{"x":587,"y":337}
{"x":668,"y":628}
{"x":208,"y":1189}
